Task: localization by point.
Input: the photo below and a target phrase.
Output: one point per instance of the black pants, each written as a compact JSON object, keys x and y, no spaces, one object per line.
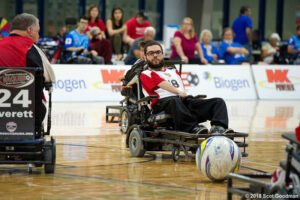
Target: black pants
{"x":187,"y":114}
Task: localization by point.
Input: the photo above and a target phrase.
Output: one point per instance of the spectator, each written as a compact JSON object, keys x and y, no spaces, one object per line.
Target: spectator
{"x":270,"y":48}
{"x":101,"y":45}
{"x":135,"y":28}
{"x":210,"y":51}
{"x":115,"y":30}
{"x":232,"y":52}
{"x":294,"y":44}
{"x":134,"y":51}
{"x":185,"y":43}
{"x":76,"y":45}
{"x":94,"y":20}
{"x":4,"y":27}
{"x":242,"y":28}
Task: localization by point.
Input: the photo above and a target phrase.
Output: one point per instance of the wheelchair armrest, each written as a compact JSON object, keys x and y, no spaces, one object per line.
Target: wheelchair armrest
{"x":147,"y":99}
{"x":49,"y":86}
{"x":201,"y":96}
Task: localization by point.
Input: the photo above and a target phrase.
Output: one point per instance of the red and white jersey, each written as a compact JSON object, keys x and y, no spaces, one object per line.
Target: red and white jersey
{"x":150,"y":80}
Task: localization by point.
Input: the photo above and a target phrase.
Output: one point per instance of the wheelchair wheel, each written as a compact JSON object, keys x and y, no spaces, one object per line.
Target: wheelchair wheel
{"x":126,"y":120}
{"x":50,"y":156}
{"x":175,"y":153}
{"x":136,"y":145}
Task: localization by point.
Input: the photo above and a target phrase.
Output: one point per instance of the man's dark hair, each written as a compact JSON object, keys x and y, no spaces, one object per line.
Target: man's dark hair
{"x":298,"y":28}
{"x":23,"y":21}
{"x":151,"y":43}
{"x":141,"y":14}
{"x":244,"y":9}
{"x":142,"y":44}
{"x":83,"y":17}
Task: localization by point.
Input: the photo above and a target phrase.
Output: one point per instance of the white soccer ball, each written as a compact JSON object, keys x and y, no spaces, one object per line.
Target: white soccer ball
{"x":217,"y":156}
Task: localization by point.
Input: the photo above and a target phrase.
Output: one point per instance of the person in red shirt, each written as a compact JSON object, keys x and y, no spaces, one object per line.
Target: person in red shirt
{"x":101,"y":45}
{"x":185,"y":43}
{"x":19,"y":49}
{"x":94,"y":20}
{"x":167,"y":85}
{"x":135,"y":28}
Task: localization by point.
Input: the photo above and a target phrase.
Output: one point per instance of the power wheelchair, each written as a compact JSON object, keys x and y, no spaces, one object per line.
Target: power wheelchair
{"x":146,"y":131}
{"x":21,"y":140}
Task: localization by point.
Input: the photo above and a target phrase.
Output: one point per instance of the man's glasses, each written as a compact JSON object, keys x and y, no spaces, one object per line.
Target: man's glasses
{"x":152,"y":53}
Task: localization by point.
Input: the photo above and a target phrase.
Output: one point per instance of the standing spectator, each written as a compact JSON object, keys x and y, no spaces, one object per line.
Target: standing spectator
{"x":134,"y":51}
{"x":185,"y":43}
{"x":294,"y":44}
{"x":242,"y":28}
{"x":232,"y":52}
{"x":135,"y":28}
{"x":210,"y":51}
{"x":115,"y":30}
{"x":101,"y":45}
{"x":270,"y":48}
{"x":93,"y":16}
{"x":77,"y":43}
{"x":4,"y":27}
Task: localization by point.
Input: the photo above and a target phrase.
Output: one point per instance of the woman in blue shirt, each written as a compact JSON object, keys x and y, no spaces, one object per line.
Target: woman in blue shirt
{"x":210,"y":51}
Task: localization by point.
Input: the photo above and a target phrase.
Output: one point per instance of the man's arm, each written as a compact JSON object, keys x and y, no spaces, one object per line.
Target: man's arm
{"x":249,"y":35}
{"x":170,"y":88}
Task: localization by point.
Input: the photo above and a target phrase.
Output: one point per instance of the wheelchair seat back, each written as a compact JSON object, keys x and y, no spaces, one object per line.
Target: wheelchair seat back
{"x":17,"y":103}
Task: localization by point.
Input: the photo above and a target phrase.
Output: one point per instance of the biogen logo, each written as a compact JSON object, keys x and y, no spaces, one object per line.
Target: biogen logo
{"x":280,"y":78}
{"x":113,"y":77}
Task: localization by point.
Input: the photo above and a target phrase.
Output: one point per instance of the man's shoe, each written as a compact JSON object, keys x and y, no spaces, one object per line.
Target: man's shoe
{"x":217,"y":130}
{"x":200,"y":129}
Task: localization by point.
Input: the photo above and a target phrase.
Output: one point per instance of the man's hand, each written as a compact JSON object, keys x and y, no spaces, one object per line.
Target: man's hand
{"x":94,"y":53}
{"x":182,"y":94}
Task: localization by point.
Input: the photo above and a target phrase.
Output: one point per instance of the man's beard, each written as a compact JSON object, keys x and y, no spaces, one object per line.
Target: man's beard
{"x":156,"y":66}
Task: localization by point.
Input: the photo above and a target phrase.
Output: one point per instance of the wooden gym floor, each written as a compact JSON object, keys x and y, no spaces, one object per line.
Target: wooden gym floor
{"x":93,"y":162}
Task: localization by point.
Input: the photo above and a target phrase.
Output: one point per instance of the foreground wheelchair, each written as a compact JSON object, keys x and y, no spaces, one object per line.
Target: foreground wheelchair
{"x":146,"y":131}
{"x":21,"y":140}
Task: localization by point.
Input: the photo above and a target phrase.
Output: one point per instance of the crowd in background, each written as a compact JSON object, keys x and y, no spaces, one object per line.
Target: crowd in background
{"x":99,"y":42}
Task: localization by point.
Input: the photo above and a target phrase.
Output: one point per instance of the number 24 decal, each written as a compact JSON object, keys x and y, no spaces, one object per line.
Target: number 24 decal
{"x":22,"y":98}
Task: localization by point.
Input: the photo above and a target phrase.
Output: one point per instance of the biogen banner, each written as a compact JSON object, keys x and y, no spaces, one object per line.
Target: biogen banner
{"x":226,"y":81}
{"x":88,"y":82}
{"x":102,"y":82}
{"x":277,"y":82}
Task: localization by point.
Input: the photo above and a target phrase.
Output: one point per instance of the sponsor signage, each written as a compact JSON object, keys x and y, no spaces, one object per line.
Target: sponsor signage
{"x":277,"y":82}
{"x":17,"y":100}
{"x":88,"y":82}
{"x":226,"y":81}
{"x":102,"y":82}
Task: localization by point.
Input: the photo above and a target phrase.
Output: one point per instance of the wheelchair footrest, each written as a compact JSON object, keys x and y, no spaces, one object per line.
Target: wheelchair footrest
{"x":113,"y":114}
{"x":167,"y":141}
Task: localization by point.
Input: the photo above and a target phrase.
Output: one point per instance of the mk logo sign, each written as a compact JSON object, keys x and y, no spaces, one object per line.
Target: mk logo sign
{"x":112,"y":76}
{"x":279,"y":77}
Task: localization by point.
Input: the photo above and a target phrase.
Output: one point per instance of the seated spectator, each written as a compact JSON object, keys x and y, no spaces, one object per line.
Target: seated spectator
{"x":134,"y":51}
{"x":115,"y":30}
{"x":4,"y":27}
{"x":210,"y":51}
{"x":185,"y":43}
{"x":77,"y":43}
{"x":101,"y":45}
{"x":294,"y":44}
{"x":232,"y":52}
{"x":94,"y":20}
{"x":270,"y":48}
{"x":135,"y":28}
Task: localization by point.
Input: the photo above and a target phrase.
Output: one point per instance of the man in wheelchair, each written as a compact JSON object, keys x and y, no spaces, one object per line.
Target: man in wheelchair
{"x":20,"y":50}
{"x":187,"y":112}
